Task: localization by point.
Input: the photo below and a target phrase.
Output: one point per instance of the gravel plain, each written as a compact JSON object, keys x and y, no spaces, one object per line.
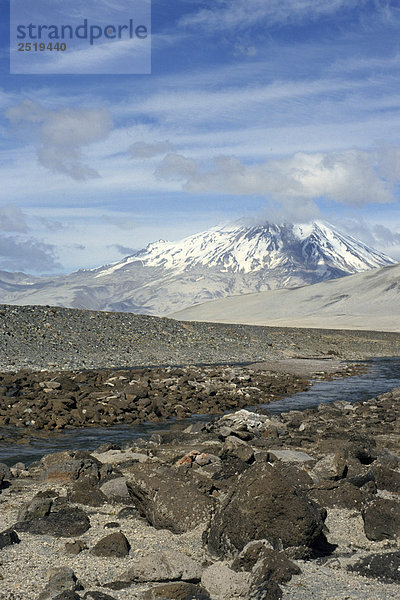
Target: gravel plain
{"x":40,"y":337}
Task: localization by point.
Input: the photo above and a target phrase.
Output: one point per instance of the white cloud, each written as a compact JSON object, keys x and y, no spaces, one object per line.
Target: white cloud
{"x":21,"y":253}
{"x":149,"y":150}
{"x":61,"y":134}
{"x":352,"y":177}
{"x":376,"y":235}
{"x":12,"y":219}
{"x":241,"y":14}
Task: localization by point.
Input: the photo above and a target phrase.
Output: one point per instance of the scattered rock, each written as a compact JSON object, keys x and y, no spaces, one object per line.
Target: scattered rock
{"x":67,"y":522}
{"x":222,"y":583}
{"x":164,"y":566}
{"x":265,"y":564}
{"x":382,"y":519}
{"x":75,"y":547}
{"x":342,"y":494}
{"x":84,"y":493}
{"x":7,"y":538}
{"x":115,"y":544}
{"x":387,"y":479}
{"x":71,"y":466}
{"x":176,"y":591}
{"x":116,"y":490}
{"x":36,"y":508}
{"x":5,"y":473}
{"x":331,"y":466}
{"x":61,"y":579}
{"x":290,"y":456}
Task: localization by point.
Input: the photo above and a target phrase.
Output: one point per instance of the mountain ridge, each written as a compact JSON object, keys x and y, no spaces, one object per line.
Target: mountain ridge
{"x":222,"y":261}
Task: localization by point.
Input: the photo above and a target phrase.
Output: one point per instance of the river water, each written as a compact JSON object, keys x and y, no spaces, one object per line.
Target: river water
{"x":381,"y":376}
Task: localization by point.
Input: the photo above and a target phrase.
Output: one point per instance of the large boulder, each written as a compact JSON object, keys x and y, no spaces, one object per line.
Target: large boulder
{"x":264,"y":505}
{"x":382,"y":519}
{"x":168,"y":499}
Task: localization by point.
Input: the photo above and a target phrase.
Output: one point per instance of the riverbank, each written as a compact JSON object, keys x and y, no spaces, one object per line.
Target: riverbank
{"x":179,"y":515}
{"x":50,"y":338}
{"x":36,"y":406}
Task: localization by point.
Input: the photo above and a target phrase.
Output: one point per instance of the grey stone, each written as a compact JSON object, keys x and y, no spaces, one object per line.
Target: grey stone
{"x":264,"y":563}
{"x":165,"y":566}
{"x":238,"y":448}
{"x":61,"y":579}
{"x":75,"y":547}
{"x":36,"y":508}
{"x":222,"y":583}
{"x":331,"y":466}
{"x":290,"y":456}
{"x":116,"y":490}
{"x":71,"y":466}
{"x":5,"y":472}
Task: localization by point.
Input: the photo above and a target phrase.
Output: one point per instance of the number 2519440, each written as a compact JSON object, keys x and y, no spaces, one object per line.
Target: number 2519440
{"x":41,"y":47}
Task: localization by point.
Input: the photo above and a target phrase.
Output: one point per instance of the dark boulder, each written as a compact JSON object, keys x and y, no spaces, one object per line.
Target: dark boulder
{"x":384,"y":567}
{"x":264,"y":505}
{"x":7,"y":538}
{"x":67,"y":522}
{"x":114,"y":544}
{"x":382,"y":519}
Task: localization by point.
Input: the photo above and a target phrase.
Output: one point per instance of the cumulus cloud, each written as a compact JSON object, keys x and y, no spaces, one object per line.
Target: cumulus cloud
{"x":149,"y":150}
{"x":12,"y":219}
{"x":61,"y":135}
{"x":352,"y":177}
{"x":27,"y":254}
{"x":378,"y":236}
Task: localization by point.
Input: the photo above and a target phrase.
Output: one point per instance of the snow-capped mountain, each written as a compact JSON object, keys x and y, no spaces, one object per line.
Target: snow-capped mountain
{"x":242,"y":249}
{"x":223,"y":261}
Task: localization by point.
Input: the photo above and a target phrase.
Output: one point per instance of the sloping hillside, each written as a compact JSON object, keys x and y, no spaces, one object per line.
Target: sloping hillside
{"x":369,"y":300}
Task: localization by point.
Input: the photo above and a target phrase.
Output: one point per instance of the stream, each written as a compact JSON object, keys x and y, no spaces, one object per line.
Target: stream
{"x":382,"y":376}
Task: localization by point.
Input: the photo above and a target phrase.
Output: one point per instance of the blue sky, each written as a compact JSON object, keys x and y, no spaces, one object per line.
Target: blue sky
{"x":282,"y":110}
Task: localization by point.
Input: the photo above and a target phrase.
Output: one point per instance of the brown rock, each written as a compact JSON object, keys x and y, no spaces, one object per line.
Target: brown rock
{"x":115,"y":544}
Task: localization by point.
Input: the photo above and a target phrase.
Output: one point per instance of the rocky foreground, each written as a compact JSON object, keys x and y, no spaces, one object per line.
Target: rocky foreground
{"x":299,"y":506}
{"x":50,"y":338}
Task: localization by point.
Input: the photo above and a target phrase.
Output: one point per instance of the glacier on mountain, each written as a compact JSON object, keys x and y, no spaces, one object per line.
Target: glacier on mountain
{"x":222,"y":261}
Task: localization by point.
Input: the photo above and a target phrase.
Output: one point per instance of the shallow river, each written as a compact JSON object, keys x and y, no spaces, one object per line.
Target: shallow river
{"x":382,"y":376}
